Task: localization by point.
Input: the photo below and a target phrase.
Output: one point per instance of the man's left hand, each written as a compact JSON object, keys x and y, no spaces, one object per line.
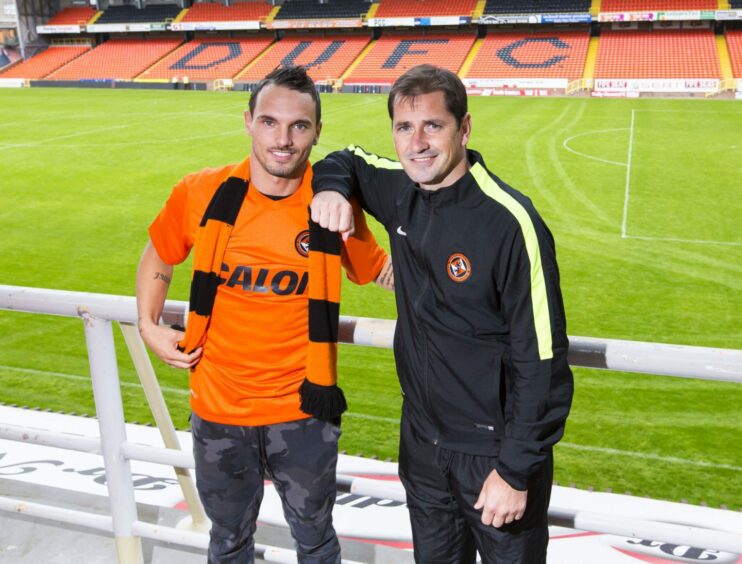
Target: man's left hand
{"x":499,"y":502}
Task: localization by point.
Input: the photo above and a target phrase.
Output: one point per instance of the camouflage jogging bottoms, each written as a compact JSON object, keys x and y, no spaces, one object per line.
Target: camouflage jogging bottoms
{"x":299,"y":457}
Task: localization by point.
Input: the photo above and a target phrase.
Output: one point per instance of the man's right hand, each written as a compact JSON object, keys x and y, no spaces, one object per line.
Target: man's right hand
{"x":163,"y":341}
{"x":332,"y":211}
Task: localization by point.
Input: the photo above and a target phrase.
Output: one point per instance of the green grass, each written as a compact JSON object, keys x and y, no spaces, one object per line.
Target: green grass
{"x":85,"y":171}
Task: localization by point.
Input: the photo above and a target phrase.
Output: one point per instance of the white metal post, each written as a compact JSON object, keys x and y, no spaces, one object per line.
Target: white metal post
{"x":110,"y":410}
{"x":198,"y":520}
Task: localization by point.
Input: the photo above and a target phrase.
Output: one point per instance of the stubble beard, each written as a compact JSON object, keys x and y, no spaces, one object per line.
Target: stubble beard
{"x":288,"y":171}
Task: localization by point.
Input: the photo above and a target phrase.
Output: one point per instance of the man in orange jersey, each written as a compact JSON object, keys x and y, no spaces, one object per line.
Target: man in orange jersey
{"x":248,"y":341}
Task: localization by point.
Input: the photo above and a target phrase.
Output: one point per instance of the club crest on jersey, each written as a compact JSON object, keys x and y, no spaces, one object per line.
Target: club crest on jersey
{"x":302,"y":243}
{"x":458,"y":267}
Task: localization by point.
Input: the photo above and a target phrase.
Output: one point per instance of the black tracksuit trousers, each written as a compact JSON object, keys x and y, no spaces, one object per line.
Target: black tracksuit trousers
{"x":442,"y":487}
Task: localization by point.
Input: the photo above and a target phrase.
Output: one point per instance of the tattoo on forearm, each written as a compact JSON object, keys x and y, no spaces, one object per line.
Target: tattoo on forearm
{"x":386,"y":277}
{"x":163,"y":277}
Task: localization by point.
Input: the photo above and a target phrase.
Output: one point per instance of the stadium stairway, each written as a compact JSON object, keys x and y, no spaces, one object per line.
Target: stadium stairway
{"x":478,"y":9}
{"x":272,"y":15}
{"x":591,"y":59}
{"x":469,"y":61}
{"x":181,"y":15}
{"x":725,"y":62}
{"x":96,"y":17}
{"x":359,"y":58}
{"x":595,"y":8}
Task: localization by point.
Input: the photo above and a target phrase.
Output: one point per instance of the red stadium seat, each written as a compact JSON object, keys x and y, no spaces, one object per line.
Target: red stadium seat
{"x":209,"y":58}
{"x":326,"y":58}
{"x":416,"y":8}
{"x":655,"y":5}
{"x":531,"y":55}
{"x":395,"y":53}
{"x":117,"y":59}
{"x":45,"y":62}
{"x":657,"y":54}
{"x":72,"y":15}
{"x":734,"y":44}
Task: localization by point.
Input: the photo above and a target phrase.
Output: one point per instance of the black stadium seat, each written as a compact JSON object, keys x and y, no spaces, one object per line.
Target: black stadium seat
{"x":309,"y":9}
{"x":536,"y":6}
{"x":130,"y":14}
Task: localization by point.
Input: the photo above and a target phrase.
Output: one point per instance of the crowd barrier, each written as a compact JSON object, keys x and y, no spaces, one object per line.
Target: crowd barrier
{"x":99,"y":311}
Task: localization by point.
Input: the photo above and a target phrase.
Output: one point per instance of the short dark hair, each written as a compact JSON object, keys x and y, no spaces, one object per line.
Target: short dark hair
{"x":425,"y":79}
{"x":293,"y":78}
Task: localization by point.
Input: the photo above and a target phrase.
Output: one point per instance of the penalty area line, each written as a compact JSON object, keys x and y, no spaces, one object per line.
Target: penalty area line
{"x":628,"y":177}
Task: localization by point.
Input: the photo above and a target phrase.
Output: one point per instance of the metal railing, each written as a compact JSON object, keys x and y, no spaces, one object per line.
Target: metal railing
{"x":98,"y":311}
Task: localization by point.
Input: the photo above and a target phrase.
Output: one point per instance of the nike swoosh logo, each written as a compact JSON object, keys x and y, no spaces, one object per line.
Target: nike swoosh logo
{"x":402,"y":233}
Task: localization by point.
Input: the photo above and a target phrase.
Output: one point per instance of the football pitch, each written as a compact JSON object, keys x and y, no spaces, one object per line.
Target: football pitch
{"x":644,"y":199}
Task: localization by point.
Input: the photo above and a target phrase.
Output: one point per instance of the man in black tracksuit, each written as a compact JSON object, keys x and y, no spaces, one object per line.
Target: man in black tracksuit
{"x":480,"y":344}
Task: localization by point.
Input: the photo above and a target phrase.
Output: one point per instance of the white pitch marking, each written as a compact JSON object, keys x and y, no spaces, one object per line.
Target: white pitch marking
{"x":84,"y":378}
{"x":47,"y":140}
{"x":394,"y":420}
{"x":628,"y":178}
{"x":650,"y":456}
{"x":678,"y":240}
{"x":686,"y":112}
{"x":578,"y":153}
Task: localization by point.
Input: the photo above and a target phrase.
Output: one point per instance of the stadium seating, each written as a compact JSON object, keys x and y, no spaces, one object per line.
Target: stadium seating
{"x":657,"y":54}
{"x":394,"y":53}
{"x":45,"y":62}
{"x":652,"y":5}
{"x":416,"y":8}
{"x":531,"y":55}
{"x":535,"y":6}
{"x":312,"y":9}
{"x":735,"y":4}
{"x":72,"y":15}
{"x":326,"y":58}
{"x":130,"y":14}
{"x":117,"y":59}
{"x":215,"y":12}
{"x":734,"y":43}
{"x":208,"y":58}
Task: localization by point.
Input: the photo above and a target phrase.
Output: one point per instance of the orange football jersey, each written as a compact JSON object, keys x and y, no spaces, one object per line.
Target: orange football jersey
{"x":255,"y":353}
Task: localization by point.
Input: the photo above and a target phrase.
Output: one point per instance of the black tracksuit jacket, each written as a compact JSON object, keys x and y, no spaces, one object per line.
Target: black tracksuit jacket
{"x":480,"y":343}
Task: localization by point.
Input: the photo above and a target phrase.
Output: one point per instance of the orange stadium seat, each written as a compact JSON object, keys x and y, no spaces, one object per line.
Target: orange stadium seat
{"x":531,"y":55}
{"x":209,"y":58}
{"x":72,"y":15}
{"x":117,"y":59}
{"x":45,"y":62}
{"x":734,"y":43}
{"x":657,"y":54}
{"x":326,"y":58}
{"x":215,"y":12}
{"x":415,"y":8}
{"x":394,"y":53}
{"x":656,"y":5}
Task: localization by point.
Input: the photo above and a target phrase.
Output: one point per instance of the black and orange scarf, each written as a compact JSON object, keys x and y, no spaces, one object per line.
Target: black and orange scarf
{"x":320,"y":395}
